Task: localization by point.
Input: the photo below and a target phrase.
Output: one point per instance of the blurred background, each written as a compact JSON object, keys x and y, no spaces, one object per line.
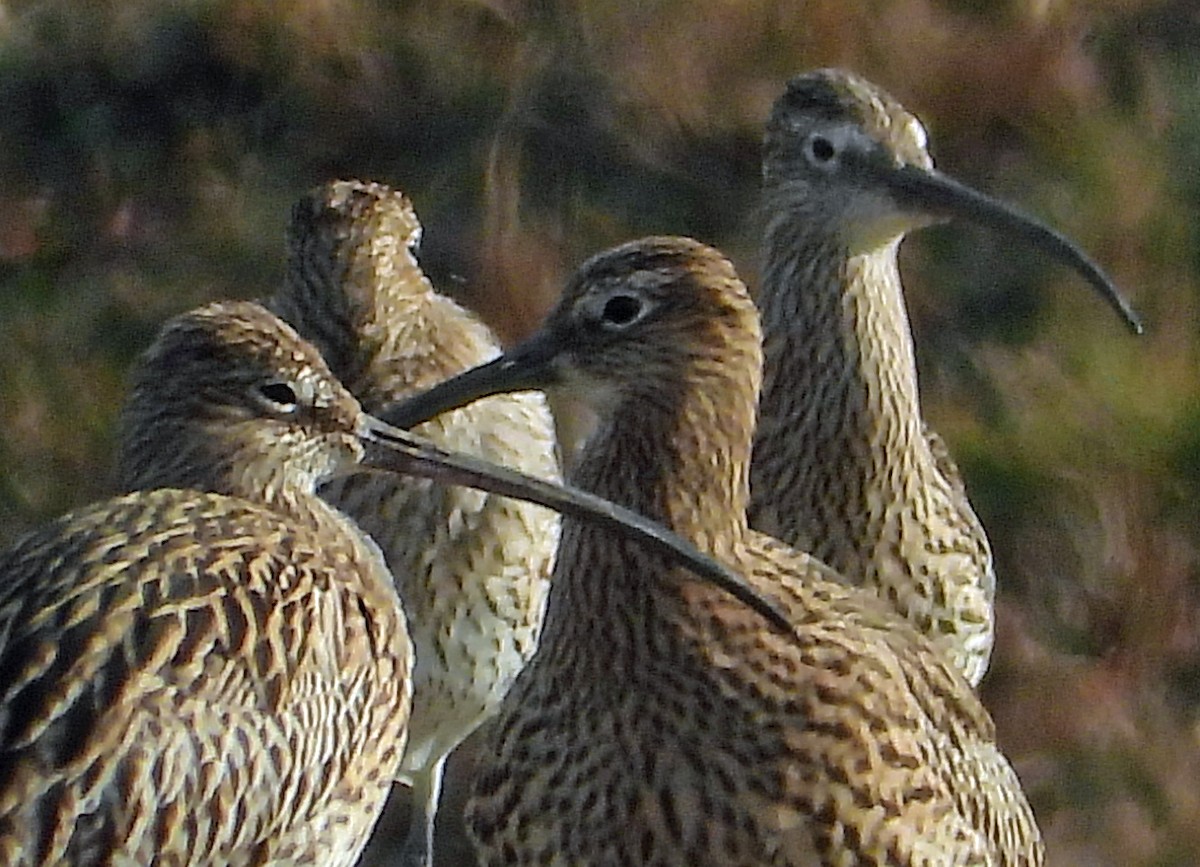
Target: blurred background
{"x":150,"y":151}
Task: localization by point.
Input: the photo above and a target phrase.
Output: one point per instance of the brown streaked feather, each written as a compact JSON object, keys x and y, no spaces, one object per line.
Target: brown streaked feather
{"x":141,"y":662}
{"x":472,"y":569}
{"x":213,"y":669}
{"x":663,"y":722}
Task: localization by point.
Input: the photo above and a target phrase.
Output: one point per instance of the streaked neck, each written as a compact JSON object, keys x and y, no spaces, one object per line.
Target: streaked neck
{"x":840,"y":409}
{"x":678,"y":454}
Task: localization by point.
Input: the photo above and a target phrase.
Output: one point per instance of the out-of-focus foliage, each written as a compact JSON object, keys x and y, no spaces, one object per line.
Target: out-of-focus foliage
{"x":150,"y":150}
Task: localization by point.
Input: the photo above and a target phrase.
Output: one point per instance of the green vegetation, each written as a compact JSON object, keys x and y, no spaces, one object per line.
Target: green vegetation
{"x":150,"y":150}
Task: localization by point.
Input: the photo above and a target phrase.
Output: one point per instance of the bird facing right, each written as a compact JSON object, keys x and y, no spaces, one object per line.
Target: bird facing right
{"x":844,"y":465}
{"x":214,"y":669}
{"x":663,"y":723}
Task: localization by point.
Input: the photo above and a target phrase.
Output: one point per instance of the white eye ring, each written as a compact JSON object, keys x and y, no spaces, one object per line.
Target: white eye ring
{"x":281,"y":396}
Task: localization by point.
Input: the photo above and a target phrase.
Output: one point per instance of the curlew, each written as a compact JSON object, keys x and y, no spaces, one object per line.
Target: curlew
{"x":472,"y":569}
{"x":844,"y":466}
{"x":662,"y":723}
{"x":214,"y":669}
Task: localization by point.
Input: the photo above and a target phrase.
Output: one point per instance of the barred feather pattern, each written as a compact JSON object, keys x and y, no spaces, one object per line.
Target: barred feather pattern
{"x":663,"y":723}
{"x":472,"y":569}
{"x":190,"y":679}
{"x":200,"y":677}
{"x":844,"y":465}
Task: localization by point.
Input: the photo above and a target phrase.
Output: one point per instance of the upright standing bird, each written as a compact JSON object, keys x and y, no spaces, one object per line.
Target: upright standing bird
{"x":662,"y":722}
{"x":472,"y":569}
{"x":214,"y":669}
{"x":844,"y":465}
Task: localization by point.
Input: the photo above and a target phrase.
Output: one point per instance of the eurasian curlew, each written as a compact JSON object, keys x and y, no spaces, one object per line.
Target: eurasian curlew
{"x":661,"y":722}
{"x":214,"y":669}
{"x":472,"y":569}
{"x":844,"y":466}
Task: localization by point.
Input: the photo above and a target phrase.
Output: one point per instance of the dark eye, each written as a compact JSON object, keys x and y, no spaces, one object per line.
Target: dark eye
{"x":621,"y":310}
{"x":282,"y":395}
{"x":819,"y":150}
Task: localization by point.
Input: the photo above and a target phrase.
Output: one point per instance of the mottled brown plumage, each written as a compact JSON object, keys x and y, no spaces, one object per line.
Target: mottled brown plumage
{"x":173,"y":662}
{"x":472,"y":569}
{"x":214,"y":669}
{"x":661,"y":722}
{"x":844,"y":465}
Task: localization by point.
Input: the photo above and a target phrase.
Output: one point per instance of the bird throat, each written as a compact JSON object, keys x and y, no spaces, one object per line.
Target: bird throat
{"x":840,"y":437}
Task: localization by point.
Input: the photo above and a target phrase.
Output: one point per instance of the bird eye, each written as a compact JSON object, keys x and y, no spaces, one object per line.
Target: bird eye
{"x":820,"y":150}
{"x":621,"y":310}
{"x":280,"y":394}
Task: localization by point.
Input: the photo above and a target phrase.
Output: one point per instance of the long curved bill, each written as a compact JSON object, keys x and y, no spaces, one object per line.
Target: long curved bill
{"x":932,"y":192}
{"x":528,"y":367}
{"x":399,"y":451}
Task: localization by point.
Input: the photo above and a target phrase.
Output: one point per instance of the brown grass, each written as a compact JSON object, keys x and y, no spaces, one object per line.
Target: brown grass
{"x":149,"y":152}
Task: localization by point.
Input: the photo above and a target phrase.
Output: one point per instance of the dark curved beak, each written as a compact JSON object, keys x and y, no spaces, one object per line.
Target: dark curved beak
{"x":931,"y":192}
{"x":399,"y":451}
{"x":528,"y":367}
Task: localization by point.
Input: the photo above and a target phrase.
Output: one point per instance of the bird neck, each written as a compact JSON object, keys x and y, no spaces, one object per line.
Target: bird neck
{"x":414,"y":338}
{"x":679,"y":452}
{"x":840,"y":428}
{"x":293,"y":494}
{"x":257,"y":468}
{"x":679,"y":455}
{"x":312,"y":302}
